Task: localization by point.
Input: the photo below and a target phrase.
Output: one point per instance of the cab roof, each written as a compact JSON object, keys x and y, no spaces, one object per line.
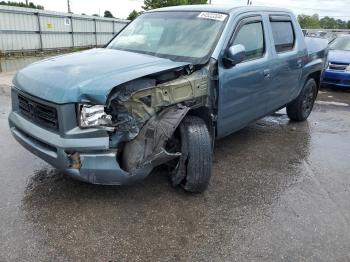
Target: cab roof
{"x":226,"y":9}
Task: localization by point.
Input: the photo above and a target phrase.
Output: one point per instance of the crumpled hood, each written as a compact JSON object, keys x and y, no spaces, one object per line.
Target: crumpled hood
{"x":87,"y":76}
{"x":339,"y":56}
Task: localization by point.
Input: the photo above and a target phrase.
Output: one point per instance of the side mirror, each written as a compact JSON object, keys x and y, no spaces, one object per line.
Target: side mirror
{"x":235,"y":55}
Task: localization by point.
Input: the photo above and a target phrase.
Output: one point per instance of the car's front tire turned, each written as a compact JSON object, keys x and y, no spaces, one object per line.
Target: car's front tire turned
{"x":301,"y":107}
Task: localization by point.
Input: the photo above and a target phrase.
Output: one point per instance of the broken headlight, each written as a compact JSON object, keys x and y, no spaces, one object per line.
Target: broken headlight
{"x":94,"y":116}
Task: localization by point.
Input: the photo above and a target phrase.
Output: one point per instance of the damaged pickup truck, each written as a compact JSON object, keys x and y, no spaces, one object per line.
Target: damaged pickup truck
{"x":161,"y":92}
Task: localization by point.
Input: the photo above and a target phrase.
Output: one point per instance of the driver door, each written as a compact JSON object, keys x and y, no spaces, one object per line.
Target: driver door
{"x":243,"y":87}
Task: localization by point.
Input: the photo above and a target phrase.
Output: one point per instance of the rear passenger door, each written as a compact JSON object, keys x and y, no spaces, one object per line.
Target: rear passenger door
{"x":287,"y":61}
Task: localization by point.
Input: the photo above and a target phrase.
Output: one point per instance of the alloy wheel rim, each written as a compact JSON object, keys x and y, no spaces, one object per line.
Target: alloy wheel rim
{"x":308,"y":101}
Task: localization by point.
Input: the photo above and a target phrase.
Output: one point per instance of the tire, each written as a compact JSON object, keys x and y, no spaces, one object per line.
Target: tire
{"x":301,"y":107}
{"x":196,"y":146}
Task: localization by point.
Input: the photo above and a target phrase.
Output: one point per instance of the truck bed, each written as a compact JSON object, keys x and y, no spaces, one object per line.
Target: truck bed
{"x":316,"y":46}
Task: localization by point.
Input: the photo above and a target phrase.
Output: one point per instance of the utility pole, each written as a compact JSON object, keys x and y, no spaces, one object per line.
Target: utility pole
{"x":68,"y":2}
{"x":26,"y":2}
{"x":209,"y":2}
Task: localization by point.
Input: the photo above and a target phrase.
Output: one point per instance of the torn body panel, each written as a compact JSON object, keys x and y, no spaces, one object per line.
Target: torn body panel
{"x":146,"y":113}
{"x":140,"y":155}
{"x":147,"y":149}
{"x":133,"y":104}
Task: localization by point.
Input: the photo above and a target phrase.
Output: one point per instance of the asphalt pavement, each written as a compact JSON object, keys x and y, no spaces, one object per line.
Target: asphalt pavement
{"x":280,"y":191}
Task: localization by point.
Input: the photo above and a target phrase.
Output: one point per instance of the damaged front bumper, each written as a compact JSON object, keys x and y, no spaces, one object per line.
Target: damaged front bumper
{"x":143,"y":117}
{"x":87,"y":154}
{"x":97,"y":163}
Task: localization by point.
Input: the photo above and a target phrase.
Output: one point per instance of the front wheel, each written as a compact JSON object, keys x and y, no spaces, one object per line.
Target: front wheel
{"x":196,"y":160}
{"x":301,"y":107}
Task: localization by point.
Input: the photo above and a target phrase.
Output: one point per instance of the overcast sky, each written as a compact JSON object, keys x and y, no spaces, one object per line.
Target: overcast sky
{"x":121,"y":8}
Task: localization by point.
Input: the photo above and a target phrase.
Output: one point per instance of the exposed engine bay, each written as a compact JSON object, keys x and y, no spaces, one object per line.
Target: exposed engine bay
{"x":136,"y":102}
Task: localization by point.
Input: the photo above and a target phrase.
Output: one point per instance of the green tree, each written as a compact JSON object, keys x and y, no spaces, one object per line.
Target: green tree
{"x":313,"y":22}
{"x":21,"y":4}
{"x":152,"y":4}
{"x":108,"y":14}
{"x":328,"y":23}
{"x":341,"y":24}
{"x":133,"y":15}
{"x":309,"y":22}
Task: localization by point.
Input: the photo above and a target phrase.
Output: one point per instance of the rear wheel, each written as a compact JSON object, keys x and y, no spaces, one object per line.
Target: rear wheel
{"x":301,"y":107}
{"x":196,"y":160}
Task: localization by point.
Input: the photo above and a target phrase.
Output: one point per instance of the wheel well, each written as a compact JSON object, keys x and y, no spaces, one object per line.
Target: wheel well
{"x":206,"y":114}
{"x":317,"y":77}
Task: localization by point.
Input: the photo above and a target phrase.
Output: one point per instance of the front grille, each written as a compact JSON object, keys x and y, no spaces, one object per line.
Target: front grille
{"x":337,"y":66}
{"x":41,"y":114}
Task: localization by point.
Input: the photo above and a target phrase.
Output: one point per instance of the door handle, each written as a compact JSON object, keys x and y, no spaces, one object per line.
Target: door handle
{"x":299,"y":63}
{"x":267,"y":74}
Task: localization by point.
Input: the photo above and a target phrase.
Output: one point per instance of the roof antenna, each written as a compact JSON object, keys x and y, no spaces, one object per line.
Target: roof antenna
{"x":69,"y":10}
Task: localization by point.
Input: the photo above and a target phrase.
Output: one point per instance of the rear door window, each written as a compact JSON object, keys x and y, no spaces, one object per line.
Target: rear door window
{"x":283,"y":35}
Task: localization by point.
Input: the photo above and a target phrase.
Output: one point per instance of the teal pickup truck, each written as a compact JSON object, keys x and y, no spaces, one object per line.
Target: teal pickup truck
{"x":161,"y":92}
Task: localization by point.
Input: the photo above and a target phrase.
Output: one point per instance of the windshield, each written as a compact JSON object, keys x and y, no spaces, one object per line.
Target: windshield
{"x":179,"y":36}
{"x":342,"y":43}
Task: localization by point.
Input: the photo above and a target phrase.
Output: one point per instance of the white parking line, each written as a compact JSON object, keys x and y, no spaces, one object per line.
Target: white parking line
{"x":331,"y":103}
